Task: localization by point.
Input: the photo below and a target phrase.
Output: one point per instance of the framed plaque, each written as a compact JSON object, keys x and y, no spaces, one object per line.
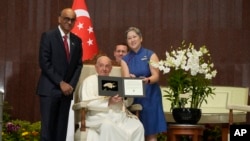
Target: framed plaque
{"x":123,"y":86}
{"x":110,"y":86}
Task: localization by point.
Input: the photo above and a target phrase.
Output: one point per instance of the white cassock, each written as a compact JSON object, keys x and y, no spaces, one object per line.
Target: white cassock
{"x":106,"y":123}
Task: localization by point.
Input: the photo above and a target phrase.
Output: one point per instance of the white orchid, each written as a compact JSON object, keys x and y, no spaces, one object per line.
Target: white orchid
{"x":188,"y":59}
{"x":189,"y":69}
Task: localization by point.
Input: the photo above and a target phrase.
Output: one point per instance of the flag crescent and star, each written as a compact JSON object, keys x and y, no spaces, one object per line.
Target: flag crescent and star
{"x":84,"y":29}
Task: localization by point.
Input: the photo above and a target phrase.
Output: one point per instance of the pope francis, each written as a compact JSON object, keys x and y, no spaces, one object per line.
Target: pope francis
{"x":107,"y":118}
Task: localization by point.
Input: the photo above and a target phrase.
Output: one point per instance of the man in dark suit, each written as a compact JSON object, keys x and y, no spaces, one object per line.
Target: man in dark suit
{"x":60,"y":71}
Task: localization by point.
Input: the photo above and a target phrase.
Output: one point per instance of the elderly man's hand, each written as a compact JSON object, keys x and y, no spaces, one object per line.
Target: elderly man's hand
{"x":115,"y":99}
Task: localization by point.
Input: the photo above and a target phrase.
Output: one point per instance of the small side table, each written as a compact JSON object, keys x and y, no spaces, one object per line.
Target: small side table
{"x":194,"y":130}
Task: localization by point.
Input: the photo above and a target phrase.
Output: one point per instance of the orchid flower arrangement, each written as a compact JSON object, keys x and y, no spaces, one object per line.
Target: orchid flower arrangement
{"x":190,"y":72}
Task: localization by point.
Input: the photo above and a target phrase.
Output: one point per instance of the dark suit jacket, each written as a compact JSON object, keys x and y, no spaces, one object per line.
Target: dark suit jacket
{"x":54,"y":65}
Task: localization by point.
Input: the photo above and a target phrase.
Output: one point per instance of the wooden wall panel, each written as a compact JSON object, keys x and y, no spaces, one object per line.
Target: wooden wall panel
{"x":22,"y":23}
{"x":221,"y":25}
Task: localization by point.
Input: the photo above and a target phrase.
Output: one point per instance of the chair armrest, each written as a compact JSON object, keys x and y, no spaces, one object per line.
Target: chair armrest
{"x":245,"y":108}
{"x":82,"y":107}
{"x":129,"y":101}
{"x":79,"y":105}
{"x":135,"y":107}
{"x":239,"y":107}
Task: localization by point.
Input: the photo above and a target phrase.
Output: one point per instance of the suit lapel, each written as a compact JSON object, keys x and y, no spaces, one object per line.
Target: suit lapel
{"x":60,"y":40}
{"x":72,"y":43}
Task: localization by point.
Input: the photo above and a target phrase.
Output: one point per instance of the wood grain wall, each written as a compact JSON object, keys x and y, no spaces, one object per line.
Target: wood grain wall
{"x":222,"y":25}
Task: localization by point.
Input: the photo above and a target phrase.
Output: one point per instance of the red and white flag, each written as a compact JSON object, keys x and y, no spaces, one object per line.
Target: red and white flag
{"x":84,"y":29}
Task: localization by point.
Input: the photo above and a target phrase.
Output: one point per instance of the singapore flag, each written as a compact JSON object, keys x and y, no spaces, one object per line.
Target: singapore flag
{"x":84,"y":29}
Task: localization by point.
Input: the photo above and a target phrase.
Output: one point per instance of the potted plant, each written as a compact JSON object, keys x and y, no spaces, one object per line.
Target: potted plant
{"x":190,"y":72}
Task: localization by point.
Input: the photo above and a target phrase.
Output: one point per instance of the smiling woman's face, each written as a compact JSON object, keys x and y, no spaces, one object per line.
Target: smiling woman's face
{"x":134,"y":40}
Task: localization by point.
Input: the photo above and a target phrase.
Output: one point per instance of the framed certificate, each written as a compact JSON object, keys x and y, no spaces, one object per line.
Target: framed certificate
{"x":123,"y":86}
{"x":133,"y":87}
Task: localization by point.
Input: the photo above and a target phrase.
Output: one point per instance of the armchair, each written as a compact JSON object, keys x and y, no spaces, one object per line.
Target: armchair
{"x":80,"y":108}
{"x":234,"y":108}
{"x":244,"y":108}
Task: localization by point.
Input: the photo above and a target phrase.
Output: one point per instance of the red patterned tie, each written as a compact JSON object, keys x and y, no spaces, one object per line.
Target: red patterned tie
{"x":66,"y":45}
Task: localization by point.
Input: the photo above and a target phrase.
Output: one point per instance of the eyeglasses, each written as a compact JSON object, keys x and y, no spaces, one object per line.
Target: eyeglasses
{"x":67,"y":19}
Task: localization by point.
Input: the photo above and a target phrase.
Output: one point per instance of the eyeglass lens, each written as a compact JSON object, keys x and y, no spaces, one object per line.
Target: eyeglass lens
{"x":67,"y":19}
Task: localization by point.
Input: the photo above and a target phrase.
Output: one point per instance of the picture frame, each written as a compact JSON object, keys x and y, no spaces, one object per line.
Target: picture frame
{"x":123,"y":86}
{"x":133,"y":87}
